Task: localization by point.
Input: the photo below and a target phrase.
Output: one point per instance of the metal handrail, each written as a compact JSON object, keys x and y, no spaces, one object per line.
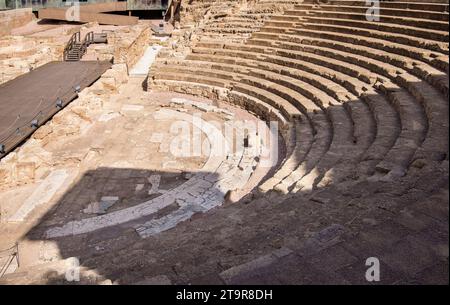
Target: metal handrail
{"x":75,"y":38}
{"x":13,"y":252}
{"x":87,"y":41}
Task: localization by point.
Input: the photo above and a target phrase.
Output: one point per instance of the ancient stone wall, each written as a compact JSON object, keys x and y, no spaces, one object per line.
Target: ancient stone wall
{"x":13,"y":19}
{"x":130,"y":44}
{"x":19,"y":55}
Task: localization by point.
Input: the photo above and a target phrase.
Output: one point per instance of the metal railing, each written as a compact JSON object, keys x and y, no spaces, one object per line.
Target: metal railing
{"x":87,"y":41}
{"x":74,"y":39}
{"x":11,"y":254}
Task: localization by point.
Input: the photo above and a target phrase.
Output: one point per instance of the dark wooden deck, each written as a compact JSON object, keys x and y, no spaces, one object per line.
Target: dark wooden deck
{"x":32,"y":97}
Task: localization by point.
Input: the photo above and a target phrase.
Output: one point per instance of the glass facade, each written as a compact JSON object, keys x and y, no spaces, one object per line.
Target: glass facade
{"x":37,"y":4}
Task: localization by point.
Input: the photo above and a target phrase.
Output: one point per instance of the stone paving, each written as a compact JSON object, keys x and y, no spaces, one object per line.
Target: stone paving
{"x":201,"y":193}
{"x":362,"y":173}
{"x":199,"y":185}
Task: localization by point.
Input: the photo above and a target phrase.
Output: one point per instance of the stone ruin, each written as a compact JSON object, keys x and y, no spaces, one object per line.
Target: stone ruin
{"x":361,"y":109}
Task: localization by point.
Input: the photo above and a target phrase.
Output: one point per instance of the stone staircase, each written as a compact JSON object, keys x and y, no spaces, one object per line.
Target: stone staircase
{"x":76,"y":48}
{"x":357,"y":102}
{"x":75,"y":53}
{"x":364,"y":100}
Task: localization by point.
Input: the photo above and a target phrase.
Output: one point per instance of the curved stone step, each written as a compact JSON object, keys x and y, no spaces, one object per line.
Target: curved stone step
{"x":337,"y":126}
{"x":386,"y":139}
{"x":231,"y":30}
{"x":341,"y":163}
{"x":331,"y":81}
{"x":285,"y":18}
{"x":432,"y":101}
{"x":331,"y":88}
{"x":407,"y":40}
{"x":388,"y":129}
{"x":303,"y":53}
{"x":247,"y":17}
{"x":342,"y":149}
{"x":285,"y":90}
{"x":410,"y":138}
{"x":365,"y":57}
{"x":280,"y":23}
{"x":307,"y":91}
{"x":364,"y":137}
{"x":408,"y":21}
{"x":408,"y":5}
{"x":407,"y":155}
{"x":320,"y":145}
{"x":304,"y":137}
{"x":289,"y":101}
{"x":416,"y":61}
{"x":384,"y":10}
{"x":305,"y":140}
{"x":211,"y":88}
{"x":362,"y":119}
{"x":440,"y":36}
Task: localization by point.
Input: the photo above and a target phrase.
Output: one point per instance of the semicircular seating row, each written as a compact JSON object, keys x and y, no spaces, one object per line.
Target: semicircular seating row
{"x":355,"y":98}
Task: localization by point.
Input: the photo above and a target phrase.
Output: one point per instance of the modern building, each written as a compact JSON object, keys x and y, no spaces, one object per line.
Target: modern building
{"x":101,"y":11}
{"x":131,"y":5}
